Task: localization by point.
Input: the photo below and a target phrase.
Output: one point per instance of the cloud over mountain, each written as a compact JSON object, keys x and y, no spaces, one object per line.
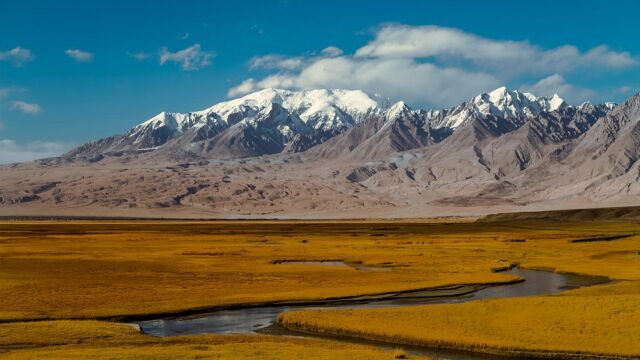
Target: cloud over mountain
{"x":556,"y":84}
{"x":435,"y":64}
{"x":448,"y":44}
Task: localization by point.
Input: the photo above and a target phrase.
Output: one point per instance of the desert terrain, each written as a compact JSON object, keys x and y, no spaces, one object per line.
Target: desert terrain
{"x":501,"y":152}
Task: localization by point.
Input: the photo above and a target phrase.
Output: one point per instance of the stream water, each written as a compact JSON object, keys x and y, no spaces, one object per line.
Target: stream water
{"x":262,"y":318}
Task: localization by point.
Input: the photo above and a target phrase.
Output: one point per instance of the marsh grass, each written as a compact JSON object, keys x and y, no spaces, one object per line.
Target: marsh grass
{"x":82,"y":339}
{"x":589,"y":325}
{"x":85,"y":270}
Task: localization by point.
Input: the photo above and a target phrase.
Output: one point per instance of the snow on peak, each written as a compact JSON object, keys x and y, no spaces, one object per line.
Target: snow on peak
{"x":257,"y":99}
{"x":320,"y":108}
{"x":326,"y":110}
{"x":502,"y":98}
{"x":510,"y":104}
{"x":397,"y":110}
{"x":170,"y":120}
{"x":555,"y":103}
{"x":333,"y":110}
{"x":498,"y":95}
{"x":587,"y":105}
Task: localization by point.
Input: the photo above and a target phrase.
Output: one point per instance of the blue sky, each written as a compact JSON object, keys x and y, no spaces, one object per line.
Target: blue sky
{"x":73,"y":71}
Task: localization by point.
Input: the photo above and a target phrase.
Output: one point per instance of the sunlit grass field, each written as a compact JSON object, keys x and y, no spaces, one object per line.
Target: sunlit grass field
{"x":86,"y":339}
{"x":596,"y":325}
{"x":600,"y":320}
{"x":108,"y":270}
{"x":86,"y":270}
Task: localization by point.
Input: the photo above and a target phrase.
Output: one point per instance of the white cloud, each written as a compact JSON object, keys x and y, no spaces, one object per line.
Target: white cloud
{"x":191,"y":58}
{"x":449,"y":44}
{"x":281,"y":62}
{"x":185,"y":36}
{"x":275,"y":61}
{"x":79,"y":55}
{"x":398,"y":78}
{"x":245,"y":87}
{"x":331,"y":51}
{"x":11,"y":151}
{"x":435,"y":66}
{"x":17,"y":56}
{"x":556,"y":84}
{"x":626,"y":89}
{"x":25,"y":107}
{"x":140,"y":56}
{"x":603,"y":56}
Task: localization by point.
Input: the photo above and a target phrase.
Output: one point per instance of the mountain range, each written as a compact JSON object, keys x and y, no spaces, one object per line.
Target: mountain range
{"x":345,"y":153}
{"x":275,"y":121}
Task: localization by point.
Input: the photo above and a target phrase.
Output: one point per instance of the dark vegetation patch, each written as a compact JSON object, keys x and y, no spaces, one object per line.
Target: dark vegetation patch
{"x":601,"y":238}
{"x":302,"y":261}
{"x":616,"y":213}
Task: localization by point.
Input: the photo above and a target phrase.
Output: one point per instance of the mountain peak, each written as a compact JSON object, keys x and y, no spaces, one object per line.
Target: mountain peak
{"x":498,"y":94}
{"x":275,"y":119}
{"x":356,"y":99}
{"x":556,"y":102}
{"x":397,"y":110}
{"x":587,"y":105}
{"x":504,"y":95}
{"x":630,"y":107}
{"x":172,"y":121}
{"x":512,"y":105}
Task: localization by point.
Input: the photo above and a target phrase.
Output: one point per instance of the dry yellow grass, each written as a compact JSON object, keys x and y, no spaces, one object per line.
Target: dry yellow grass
{"x":96,"y":269}
{"x":595,"y":320}
{"x":84,"y":269}
{"x":577,"y":324}
{"x":87,"y":269}
{"x":82,"y":339}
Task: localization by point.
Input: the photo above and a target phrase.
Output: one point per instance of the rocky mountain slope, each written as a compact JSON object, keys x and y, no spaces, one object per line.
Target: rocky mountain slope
{"x":276,"y":121}
{"x":266,"y":122}
{"x":337,"y":153}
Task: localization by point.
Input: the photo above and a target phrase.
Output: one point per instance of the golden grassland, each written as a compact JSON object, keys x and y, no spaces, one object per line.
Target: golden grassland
{"x":86,"y":339}
{"x":88,"y":269}
{"x":599,"y":320}
{"x":599,"y":325}
{"x":97,"y":269}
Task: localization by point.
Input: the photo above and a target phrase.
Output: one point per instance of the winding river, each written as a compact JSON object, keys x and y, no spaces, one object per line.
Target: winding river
{"x":261,"y":318}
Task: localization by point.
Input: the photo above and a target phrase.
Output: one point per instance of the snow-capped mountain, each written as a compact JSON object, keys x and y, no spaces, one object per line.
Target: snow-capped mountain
{"x":322,"y":109}
{"x":512,"y":105}
{"x":165,"y":126}
{"x":487,"y":116}
{"x":273,"y":121}
{"x":400,"y":128}
{"x":276,"y":119}
{"x":355,"y":151}
{"x":305,"y":111}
